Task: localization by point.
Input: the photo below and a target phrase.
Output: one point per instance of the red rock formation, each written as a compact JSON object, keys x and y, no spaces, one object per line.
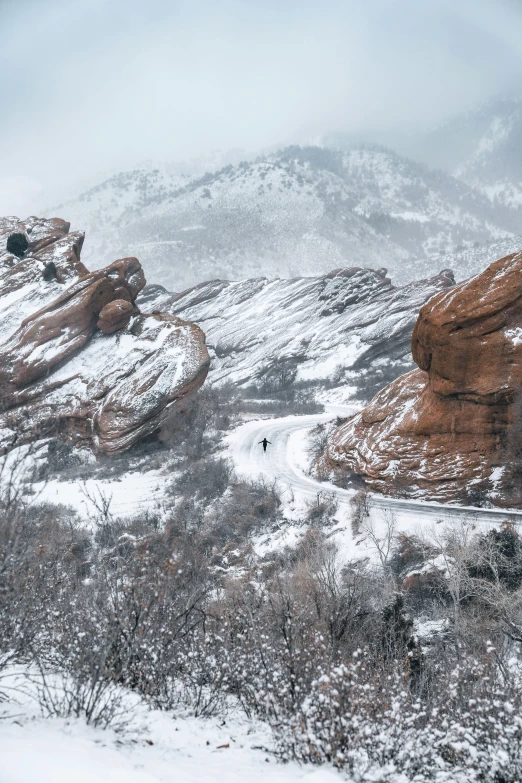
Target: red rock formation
{"x":116,"y":315}
{"x":450,"y":429}
{"x":53,"y":333}
{"x":63,"y":368}
{"x":127,"y":276}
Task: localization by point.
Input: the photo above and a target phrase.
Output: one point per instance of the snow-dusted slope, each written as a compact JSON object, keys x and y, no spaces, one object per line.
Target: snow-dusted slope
{"x":319,"y":326}
{"x":470,"y":261}
{"x":101,"y":210}
{"x":425,"y":211}
{"x":483,"y":147}
{"x":301,"y":211}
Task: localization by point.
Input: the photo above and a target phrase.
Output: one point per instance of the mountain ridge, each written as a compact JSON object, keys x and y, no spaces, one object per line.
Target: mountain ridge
{"x":302,"y":210}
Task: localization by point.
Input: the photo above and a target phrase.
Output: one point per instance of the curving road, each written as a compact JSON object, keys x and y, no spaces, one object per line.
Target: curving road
{"x":284,"y":462}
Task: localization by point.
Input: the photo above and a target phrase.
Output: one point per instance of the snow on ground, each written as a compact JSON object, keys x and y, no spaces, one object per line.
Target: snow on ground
{"x":342,"y":396}
{"x":59,"y":751}
{"x":156,"y":747}
{"x":286,"y":463}
{"x":129,"y":494}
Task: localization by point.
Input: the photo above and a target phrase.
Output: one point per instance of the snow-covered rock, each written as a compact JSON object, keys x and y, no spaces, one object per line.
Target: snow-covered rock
{"x":449,"y":430}
{"x":317,"y":326}
{"x":77,"y":358}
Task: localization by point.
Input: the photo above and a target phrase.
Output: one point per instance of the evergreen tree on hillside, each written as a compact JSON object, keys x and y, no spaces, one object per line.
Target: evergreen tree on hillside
{"x":17,"y":244}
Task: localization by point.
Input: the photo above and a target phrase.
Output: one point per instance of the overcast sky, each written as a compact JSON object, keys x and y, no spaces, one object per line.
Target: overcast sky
{"x":95,"y":86}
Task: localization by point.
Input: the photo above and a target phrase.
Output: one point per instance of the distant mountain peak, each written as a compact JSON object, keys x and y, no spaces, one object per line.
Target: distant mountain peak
{"x":300,"y":210}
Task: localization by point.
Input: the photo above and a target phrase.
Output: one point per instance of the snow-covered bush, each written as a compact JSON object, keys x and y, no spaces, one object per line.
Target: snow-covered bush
{"x":366,"y":719}
{"x":67,"y":693}
{"x":405,"y":669}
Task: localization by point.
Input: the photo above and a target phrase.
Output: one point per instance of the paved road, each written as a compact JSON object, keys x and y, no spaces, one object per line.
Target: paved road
{"x":282,"y":458}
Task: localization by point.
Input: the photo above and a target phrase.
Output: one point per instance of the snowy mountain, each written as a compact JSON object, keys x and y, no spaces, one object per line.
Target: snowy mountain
{"x":105,"y":206}
{"x":301,"y":211}
{"x":495,"y":158}
{"x":482,"y":147}
{"x":316,"y":329}
{"x":470,"y":261}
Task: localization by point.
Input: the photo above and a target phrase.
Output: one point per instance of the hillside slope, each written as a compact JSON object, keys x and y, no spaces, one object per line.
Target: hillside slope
{"x":482,"y":147}
{"x":301,"y":211}
{"x":467,"y":261}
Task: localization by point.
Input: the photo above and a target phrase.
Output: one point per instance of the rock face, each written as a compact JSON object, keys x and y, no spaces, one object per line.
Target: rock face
{"x":343,"y":322}
{"x":451,"y":430}
{"x":77,"y":358}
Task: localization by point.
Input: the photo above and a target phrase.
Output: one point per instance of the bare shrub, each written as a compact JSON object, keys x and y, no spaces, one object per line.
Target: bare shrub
{"x":301,"y":402}
{"x":250,"y":506}
{"x":360,"y":510}
{"x":370,"y":380}
{"x":191,"y":432}
{"x":99,"y":701}
{"x":322,"y":509}
{"x":380,"y":534}
{"x":317,"y":442}
{"x":365,"y":720}
{"x":277,"y":391}
{"x":206,"y":479}
{"x":279,"y":376}
{"x":198,"y":679}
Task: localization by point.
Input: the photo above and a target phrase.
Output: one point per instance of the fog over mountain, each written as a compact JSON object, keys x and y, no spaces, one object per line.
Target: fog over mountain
{"x":302,"y":210}
{"x":98,"y":87}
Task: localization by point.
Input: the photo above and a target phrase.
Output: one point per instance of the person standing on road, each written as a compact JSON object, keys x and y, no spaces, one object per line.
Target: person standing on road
{"x":265,"y":443}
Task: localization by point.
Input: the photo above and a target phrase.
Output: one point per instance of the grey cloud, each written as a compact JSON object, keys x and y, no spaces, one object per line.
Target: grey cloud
{"x":98,"y":85}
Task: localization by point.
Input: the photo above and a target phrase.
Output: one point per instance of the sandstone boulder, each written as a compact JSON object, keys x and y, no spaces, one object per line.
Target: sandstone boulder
{"x":451,"y":429}
{"x":53,"y":333}
{"x":72,"y":364}
{"x":127,"y":276}
{"x":116,"y":315}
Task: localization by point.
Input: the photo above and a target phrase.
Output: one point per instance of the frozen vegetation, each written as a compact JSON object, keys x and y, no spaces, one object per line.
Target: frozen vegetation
{"x":129,"y":643}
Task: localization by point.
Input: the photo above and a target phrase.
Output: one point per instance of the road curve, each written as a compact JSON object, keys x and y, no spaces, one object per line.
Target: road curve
{"x":282,"y":460}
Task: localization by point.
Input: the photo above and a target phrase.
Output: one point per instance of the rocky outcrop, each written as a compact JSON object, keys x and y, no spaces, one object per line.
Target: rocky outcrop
{"x":332,"y":327}
{"x":116,"y":315}
{"x":77,"y":358}
{"x":451,"y":430}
